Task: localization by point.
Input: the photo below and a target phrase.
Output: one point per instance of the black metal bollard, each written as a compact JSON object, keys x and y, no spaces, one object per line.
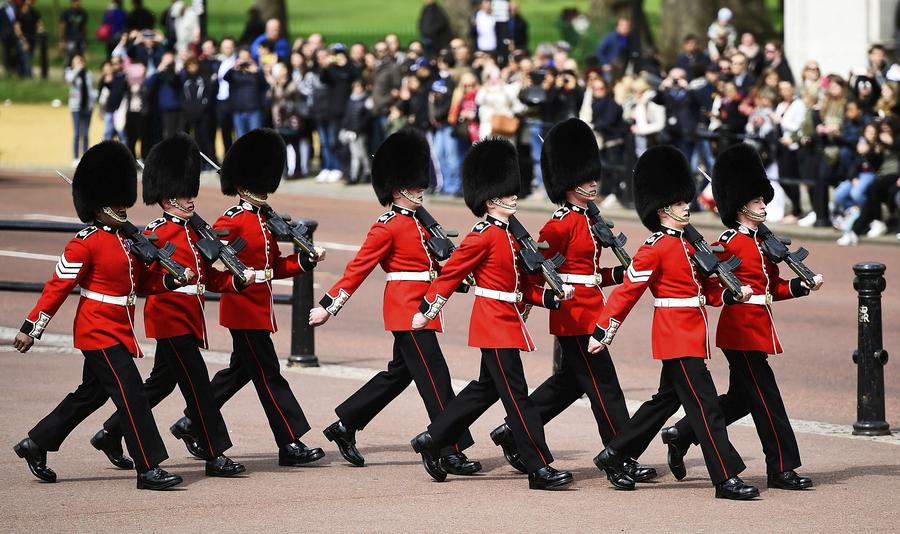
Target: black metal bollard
{"x":870,"y":356}
{"x":303,"y":343}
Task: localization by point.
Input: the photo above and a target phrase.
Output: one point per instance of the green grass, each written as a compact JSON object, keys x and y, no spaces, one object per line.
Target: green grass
{"x":34,"y":90}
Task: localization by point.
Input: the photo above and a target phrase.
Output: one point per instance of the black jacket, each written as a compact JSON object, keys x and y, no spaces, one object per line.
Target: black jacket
{"x":245,"y":90}
{"x":338,"y":80}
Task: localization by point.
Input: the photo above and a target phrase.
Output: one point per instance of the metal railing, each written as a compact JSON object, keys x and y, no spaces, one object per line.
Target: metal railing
{"x":300,"y":299}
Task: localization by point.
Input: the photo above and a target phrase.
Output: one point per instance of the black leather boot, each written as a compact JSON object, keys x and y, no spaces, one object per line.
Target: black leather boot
{"x":36,"y":458}
{"x":184,"y":430}
{"x":104,"y":442}
{"x":223,"y":466}
{"x":459,"y":464}
{"x":157,"y":479}
{"x":638,"y":472}
{"x":612,"y":462}
{"x":676,"y":453}
{"x":735,"y":489}
{"x":345,"y":440}
{"x":547,"y":478}
{"x":298,"y":454}
{"x":789,"y":480}
{"x":424,"y":445}
{"x":503,"y":438}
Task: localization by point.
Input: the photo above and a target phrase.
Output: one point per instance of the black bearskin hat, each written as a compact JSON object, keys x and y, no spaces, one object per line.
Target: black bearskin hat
{"x":403,"y":161}
{"x":105,"y":176}
{"x":570,"y":156}
{"x":490,"y":169}
{"x":254,"y":162}
{"x":172,"y":169}
{"x":737,"y":178}
{"x":662,"y":177}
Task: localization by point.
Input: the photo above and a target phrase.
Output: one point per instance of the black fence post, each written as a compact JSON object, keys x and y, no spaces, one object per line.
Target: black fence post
{"x":303,"y":343}
{"x":870,"y":356}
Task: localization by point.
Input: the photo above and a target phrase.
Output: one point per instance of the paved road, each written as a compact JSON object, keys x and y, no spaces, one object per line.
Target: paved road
{"x":816,"y":375}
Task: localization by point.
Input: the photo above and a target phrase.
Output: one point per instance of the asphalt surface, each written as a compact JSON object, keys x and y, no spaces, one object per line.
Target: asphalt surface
{"x":854,"y":477}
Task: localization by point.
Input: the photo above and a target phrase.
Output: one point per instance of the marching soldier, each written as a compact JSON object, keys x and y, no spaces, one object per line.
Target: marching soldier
{"x":663,"y":188}
{"x":570,"y":160}
{"x":98,"y":260}
{"x":397,"y":242}
{"x":252,"y":170}
{"x":175,"y":319}
{"x":746,"y":333}
{"x":491,"y":180}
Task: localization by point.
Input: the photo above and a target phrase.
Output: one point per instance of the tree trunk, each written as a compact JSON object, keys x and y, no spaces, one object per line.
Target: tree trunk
{"x":752,"y":16}
{"x":677,"y":18}
{"x":274,"y":9}
{"x":459,"y":12}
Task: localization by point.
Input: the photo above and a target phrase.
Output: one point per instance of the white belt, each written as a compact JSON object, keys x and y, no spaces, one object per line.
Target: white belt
{"x":127,"y":300}
{"x":195,"y":289}
{"x":760,"y":300}
{"x":690,"y":302}
{"x":262,"y":276}
{"x":583,"y":279}
{"x":410,"y":276}
{"x":504,"y":296}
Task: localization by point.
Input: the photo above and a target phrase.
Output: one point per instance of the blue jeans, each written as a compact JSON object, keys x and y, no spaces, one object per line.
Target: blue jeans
{"x":109,"y":129}
{"x":327,"y":138}
{"x":848,"y":194}
{"x":81,"y":123}
{"x":447,"y":149}
{"x":536,"y":132}
{"x":703,"y":150}
{"x":244,"y":121}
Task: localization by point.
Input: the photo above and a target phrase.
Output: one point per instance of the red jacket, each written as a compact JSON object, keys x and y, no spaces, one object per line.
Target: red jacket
{"x":396,"y":242}
{"x":490,"y":253}
{"x":569,"y":233}
{"x":177,"y":313}
{"x":98,"y":260}
{"x":252,"y":308}
{"x":751,"y":326}
{"x":663,"y":264}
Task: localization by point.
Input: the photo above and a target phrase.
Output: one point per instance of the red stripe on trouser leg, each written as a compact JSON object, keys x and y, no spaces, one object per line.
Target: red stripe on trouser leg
{"x":266,"y":383}
{"x":522,"y":419}
{"x":769,"y":415}
{"x":430,"y":378}
{"x":596,"y":389}
{"x":703,"y":416}
{"x":127,"y":409}
{"x":196,"y":400}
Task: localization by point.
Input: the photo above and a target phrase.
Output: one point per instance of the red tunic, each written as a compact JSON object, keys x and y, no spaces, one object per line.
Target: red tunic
{"x":98,"y":260}
{"x":253,"y":308}
{"x":569,"y":233}
{"x":490,"y":253}
{"x":396,"y":242}
{"x":663,"y":264}
{"x":178,"y":313}
{"x":751,"y":326}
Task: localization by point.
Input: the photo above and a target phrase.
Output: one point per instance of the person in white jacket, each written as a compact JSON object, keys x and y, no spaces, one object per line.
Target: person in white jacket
{"x":649,"y":118}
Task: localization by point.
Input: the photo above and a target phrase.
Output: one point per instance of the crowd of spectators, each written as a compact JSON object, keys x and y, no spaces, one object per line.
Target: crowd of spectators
{"x":831,"y":135}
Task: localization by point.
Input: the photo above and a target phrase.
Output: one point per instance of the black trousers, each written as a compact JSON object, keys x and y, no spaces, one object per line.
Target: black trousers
{"x":417,"y":357}
{"x":501,"y":377}
{"x":588,"y":374}
{"x":178,"y":361}
{"x":254,"y":358}
{"x":752,"y":390}
{"x":225,"y":123}
{"x":108,"y":374}
{"x":684,"y":382}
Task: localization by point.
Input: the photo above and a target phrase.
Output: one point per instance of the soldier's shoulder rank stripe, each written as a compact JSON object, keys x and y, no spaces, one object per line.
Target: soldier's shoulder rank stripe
{"x":561,"y":212}
{"x":387,"y":217}
{"x":233,"y":210}
{"x":156,"y":223}
{"x":727,"y":235}
{"x":654,"y":237}
{"x":86,"y":232}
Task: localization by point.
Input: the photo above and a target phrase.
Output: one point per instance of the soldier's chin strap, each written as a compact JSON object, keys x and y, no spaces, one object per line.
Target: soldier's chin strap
{"x":179,"y":205}
{"x":673,"y":215}
{"x":405,"y":194}
{"x":500,"y":204}
{"x":586,"y":194}
{"x":251,"y":196}
{"x":753,"y":215}
{"x":113,"y":215}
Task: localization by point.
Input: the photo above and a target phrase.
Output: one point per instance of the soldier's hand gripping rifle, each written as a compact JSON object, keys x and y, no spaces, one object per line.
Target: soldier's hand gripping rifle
{"x":776,"y":250}
{"x":708,"y":263}
{"x":145,"y":251}
{"x":534,"y":261}
{"x":297,"y":233}
{"x":602,"y":230}
{"x":439,"y":243}
{"x":213,"y":249}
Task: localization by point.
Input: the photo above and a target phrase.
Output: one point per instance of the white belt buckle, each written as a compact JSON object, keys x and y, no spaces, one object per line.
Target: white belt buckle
{"x":597,"y":279}
{"x":432,"y":274}
{"x":768,"y":298}
{"x":129,"y":300}
{"x":519,"y":296}
{"x":702,"y":300}
{"x":201,"y":289}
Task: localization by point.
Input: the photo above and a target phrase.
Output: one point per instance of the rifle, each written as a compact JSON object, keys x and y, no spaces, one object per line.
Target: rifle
{"x":776,"y":250}
{"x":439,"y":243}
{"x":147,"y":252}
{"x":602,"y":230}
{"x":534,"y":261}
{"x":709,"y":264}
{"x":297,"y":232}
{"x":212,"y":248}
